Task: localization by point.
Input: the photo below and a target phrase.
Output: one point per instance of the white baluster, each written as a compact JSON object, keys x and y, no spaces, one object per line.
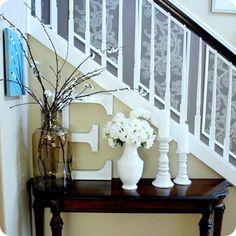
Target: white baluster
{"x":87,"y":28}
{"x":38,"y":9}
{"x":197,"y":121}
{"x":168,"y":64}
{"x":137,"y":43}
{"x":205,"y":90}
{"x":53,"y":14}
{"x":188,"y":32}
{"x":183,"y":84}
{"x":120,"y":42}
{"x":152,"y":57}
{"x":213,"y":106}
{"x":29,"y":15}
{"x":104,"y":33}
{"x":163,"y":179}
{"x":228,"y":117}
{"x":182,"y":150}
{"x":71,"y":23}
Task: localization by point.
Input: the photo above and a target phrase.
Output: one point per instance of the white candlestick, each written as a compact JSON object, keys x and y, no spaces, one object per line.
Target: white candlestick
{"x":163,"y":179}
{"x":164,"y":124}
{"x":182,"y":141}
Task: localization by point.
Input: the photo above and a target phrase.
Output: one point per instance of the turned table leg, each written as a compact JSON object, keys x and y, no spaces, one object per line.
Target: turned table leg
{"x":205,"y":224}
{"x":38,"y":217}
{"x":56,"y":222}
{"x":218,"y":217}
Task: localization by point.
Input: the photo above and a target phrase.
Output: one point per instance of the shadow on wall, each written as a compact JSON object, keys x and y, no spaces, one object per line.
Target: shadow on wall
{"x":23,"y":175}
{"x":1,"y":197}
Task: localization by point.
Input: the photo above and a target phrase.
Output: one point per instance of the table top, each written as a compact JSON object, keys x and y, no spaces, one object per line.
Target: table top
{"x":199,"y":189}
{"x":108,"y":196}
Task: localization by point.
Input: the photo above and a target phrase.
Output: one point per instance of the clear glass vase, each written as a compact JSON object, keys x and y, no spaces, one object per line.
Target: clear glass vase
{"x":52,"y":155}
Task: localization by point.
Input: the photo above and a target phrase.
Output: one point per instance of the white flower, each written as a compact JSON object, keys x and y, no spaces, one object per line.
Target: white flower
{"x":114,"y":131}
{"x":48,"y":93}
{"x":121,"y":121}
{"x":140,"y":113}
{"x":135,"y":124}
{"x":134,"y":130}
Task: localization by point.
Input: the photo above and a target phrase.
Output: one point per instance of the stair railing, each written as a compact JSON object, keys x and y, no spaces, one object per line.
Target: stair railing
{"x":177,"y":64}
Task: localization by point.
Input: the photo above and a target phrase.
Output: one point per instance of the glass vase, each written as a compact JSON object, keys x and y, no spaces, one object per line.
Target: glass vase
{"x":52,"y":155}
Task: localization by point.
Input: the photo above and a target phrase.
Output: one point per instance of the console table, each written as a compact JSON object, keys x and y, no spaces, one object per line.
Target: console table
{"x":204,"y":196}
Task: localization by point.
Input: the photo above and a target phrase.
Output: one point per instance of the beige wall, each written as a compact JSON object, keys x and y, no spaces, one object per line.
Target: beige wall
{"x":89,"y":224}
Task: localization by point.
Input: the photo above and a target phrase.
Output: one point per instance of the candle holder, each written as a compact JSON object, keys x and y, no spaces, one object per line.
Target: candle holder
{"x":182,"y":176}
{"x":182,"y":151}
{"x":163,"y":179}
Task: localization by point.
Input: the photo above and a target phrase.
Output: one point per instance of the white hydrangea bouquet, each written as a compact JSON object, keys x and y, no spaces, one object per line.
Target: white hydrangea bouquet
{"x":133,"y":130}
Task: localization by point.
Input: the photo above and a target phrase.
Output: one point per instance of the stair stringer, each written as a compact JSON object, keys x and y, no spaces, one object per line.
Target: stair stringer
{"x":132,"y":99}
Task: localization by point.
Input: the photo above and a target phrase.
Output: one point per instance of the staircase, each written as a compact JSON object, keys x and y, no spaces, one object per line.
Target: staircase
{"x":160,"y":51}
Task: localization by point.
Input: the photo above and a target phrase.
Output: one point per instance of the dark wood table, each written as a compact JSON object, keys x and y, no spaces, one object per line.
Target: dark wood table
{"x":204,"y":196}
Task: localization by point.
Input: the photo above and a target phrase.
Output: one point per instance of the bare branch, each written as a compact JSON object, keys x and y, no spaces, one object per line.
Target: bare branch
{"x":22,"y":104}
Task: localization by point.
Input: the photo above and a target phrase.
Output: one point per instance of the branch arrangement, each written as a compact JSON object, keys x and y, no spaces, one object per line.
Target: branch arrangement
{"x":60,"y":93}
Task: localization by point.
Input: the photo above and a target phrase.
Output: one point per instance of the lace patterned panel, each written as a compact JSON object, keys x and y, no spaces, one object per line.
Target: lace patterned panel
{"x":145,"y":47}
{"x":161,"y":27}
{"x":176,"y":65}
{"x":96,"y":23}
{"x":112,"y":27}
{"x":221,"y":99}
{"x":222,"y":90}
{"x":79,"y":18}
{"x":160,"y":46}
{"x":112,"y":15}
{"x":233,"y":116}
{"x":208,"y":98}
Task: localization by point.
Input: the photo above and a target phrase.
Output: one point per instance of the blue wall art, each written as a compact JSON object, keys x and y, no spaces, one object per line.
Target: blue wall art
{"x":14,"y":63}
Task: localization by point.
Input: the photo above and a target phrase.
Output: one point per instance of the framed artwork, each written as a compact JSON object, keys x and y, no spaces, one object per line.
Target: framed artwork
{"x":14,"y":63}
{"x":224,"y":6}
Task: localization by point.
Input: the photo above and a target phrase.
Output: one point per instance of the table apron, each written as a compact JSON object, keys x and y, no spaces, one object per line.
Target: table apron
{"x":135,"y":206}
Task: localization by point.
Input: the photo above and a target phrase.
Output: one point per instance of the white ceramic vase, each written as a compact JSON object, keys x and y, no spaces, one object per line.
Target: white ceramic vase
{"x":130,"y":167}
